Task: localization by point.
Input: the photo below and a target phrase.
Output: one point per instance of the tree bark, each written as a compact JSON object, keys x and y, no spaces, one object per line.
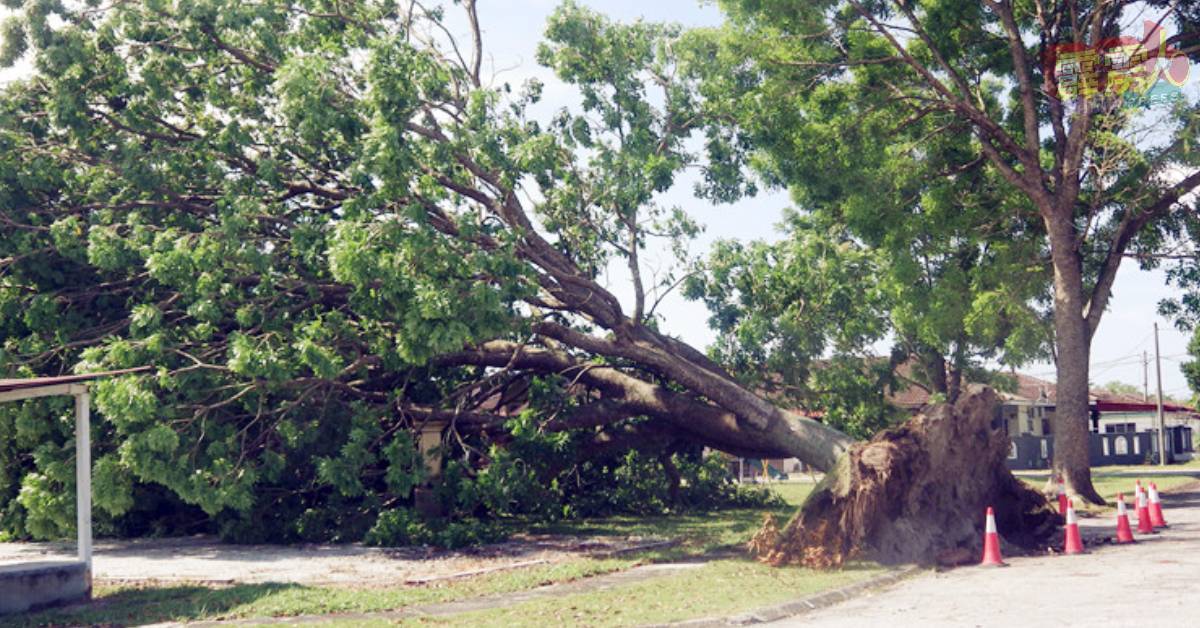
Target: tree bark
{"x":785,"y":435}
{"x":1073,"y":349}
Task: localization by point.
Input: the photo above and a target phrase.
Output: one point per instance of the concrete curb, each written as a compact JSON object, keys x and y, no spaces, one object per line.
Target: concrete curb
{"x":801,"y":606}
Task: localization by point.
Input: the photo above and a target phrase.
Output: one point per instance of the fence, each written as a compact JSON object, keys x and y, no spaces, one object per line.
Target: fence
{"x":1128,"y":448}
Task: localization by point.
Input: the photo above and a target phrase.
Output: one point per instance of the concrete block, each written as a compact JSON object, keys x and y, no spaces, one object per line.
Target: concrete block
{"x":31,"y":586}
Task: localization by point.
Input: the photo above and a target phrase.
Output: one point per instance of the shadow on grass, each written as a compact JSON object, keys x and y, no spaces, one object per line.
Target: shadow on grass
{"x":717,"y":526}
{"x":137,"y":605}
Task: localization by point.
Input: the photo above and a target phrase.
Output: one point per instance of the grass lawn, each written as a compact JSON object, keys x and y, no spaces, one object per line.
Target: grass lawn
{"x":723,"y":586}
{"x":1108,"y":483}
{"x":127,"y":605}
{"x":697,"y":533}
{"x":719,"y":588}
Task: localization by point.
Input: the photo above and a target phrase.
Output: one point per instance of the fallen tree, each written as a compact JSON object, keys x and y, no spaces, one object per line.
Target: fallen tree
{"x":327,"y":230}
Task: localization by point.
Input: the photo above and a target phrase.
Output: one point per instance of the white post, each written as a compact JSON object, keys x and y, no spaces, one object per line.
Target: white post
{"x":83,"y":476}
{"x":1162,"y":425}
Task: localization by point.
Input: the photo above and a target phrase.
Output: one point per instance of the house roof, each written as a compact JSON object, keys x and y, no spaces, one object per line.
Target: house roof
{"x":1030,"y":389}
{"x":27,"y":383}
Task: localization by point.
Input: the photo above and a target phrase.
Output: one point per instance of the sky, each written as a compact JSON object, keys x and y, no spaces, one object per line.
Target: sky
{"x":511,"y":30}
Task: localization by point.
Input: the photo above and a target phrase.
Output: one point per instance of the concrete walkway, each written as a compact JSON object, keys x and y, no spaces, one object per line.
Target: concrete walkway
{"x":1154,"y":583}
{"x":205,"y":560}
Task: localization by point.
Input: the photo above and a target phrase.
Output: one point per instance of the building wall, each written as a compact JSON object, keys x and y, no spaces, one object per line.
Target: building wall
{"x":1036,"y":452}
{"x":1143,"y":421}
{"x":1022,"y":418}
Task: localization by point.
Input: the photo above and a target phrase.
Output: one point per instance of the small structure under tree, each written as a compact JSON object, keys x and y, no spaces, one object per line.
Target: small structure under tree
{"x":29,"y":586}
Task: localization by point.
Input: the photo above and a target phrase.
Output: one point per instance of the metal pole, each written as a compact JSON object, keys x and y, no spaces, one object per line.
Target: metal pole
{"x":1162,"y":426}
{"x":83,"y":476}
{"x":1145,"y":377}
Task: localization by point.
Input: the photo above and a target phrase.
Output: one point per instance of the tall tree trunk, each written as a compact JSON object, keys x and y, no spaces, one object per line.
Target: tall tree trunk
{"x":1073,"y":348}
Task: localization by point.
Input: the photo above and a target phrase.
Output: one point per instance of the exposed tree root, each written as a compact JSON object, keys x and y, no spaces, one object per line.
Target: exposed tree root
{"x":1079,"y":485}
{"x":914,"y":492}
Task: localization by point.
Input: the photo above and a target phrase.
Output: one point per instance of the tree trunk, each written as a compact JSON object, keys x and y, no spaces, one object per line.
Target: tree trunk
{"x":674,"y":479}
{"x":1073,"y":348}
{"x":1071,"y":435}
{"x":915,"y":492}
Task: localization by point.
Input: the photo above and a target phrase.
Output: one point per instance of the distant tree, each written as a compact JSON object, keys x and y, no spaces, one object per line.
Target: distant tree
{"x":827,"y":92}
{"x":1191,"y":368}
{"x":1121,"y":388}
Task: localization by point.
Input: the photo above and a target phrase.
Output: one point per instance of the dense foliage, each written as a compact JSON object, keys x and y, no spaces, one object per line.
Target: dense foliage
{"x":324,"y":229}
{"x":947,"y":137}
{"x":314,"y":221}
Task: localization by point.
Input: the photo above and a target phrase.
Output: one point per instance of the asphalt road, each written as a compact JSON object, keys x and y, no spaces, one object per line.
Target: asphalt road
{"x":1155,"y":582}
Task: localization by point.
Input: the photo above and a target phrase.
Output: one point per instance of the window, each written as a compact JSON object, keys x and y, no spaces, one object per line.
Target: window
{"x":1137,"y":445}
{"x":1104,"y":446}
{"x":1121,"y":446}
{"x":1045,"y":449}
{"x":1012,"y":450}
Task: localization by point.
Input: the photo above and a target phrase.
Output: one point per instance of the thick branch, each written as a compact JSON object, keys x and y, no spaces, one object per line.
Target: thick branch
{"x":787,"y":435}
{"x":1003,"y":8}
{"x":1131,"y":224}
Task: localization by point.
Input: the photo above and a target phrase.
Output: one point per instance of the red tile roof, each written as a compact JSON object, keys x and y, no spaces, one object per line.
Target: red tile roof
{"x":1032,"y":389}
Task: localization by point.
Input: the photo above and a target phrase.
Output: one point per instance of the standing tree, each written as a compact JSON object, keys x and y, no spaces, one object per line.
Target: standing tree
{"x":823,"y":86}
{"x":315,"y":217}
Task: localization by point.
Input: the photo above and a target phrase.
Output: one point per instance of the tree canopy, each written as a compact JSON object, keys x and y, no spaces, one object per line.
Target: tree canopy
{"x":325,"y":228}
{"x":947,"y":135}
{"x":328,"y":231}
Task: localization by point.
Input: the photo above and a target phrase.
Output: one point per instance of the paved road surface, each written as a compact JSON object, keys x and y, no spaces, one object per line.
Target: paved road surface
{"x":1153,"y":583}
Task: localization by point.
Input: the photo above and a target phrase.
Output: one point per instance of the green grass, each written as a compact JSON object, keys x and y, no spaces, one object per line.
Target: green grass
{"x":1108,"y":484}
{"x":697,"y":534}
{"x":1190,"y":465}
{"x":794,"y":493}
{"x":719,"y":588}
{"x":138,"y":605}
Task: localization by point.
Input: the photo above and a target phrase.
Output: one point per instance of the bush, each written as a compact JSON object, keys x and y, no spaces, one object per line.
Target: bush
{"x":400,"y":527}
{"x":347,"y":474}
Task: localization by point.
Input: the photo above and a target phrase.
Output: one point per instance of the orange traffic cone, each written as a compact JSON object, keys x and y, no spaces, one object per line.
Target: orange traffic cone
{"x":1143,"y":513}
{"x":1062,"y":497}
{"x":1072,"y":544}
{"x":1124,"y":534}
{"x":1156,"y":513}
{"x":1137,"y":501}
{"x":991,"y":543}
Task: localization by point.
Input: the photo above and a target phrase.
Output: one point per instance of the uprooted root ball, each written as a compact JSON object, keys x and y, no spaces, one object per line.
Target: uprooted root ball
{"x":914,"y":492}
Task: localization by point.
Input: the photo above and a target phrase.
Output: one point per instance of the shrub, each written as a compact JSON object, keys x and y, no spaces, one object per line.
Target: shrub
{"x":400,"y":527}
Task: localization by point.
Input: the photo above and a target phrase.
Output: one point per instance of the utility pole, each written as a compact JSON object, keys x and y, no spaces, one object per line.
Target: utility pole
{"x":1145,"y":377}
{"x":1162,"y":426}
